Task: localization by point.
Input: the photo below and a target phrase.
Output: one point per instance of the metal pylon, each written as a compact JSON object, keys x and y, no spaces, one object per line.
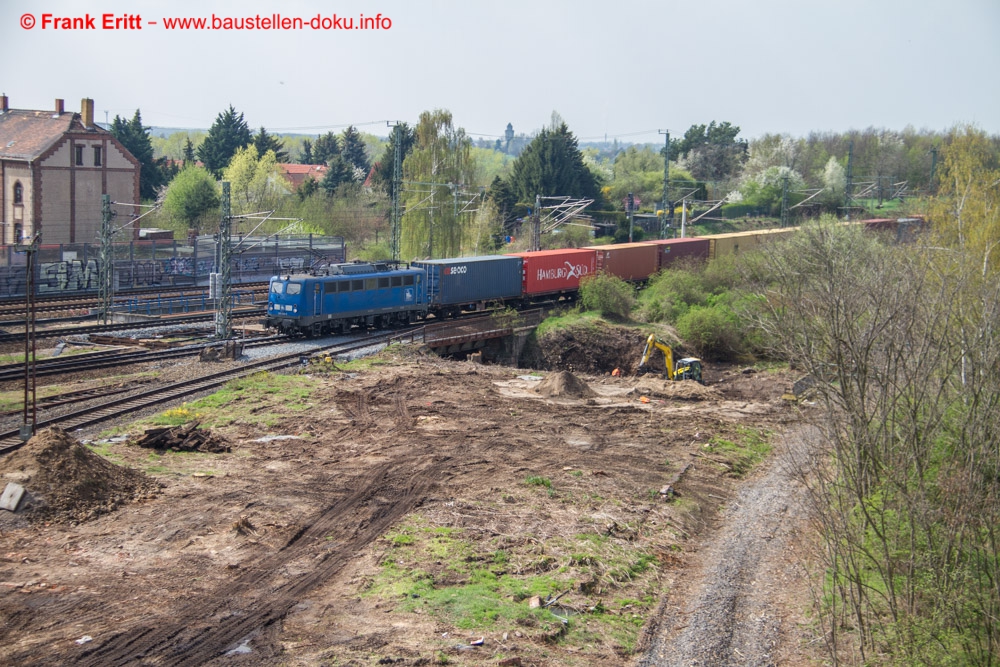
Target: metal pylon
{"x":224,"y":307}
{"x":106,"y":279}
{"x":397,"y":184}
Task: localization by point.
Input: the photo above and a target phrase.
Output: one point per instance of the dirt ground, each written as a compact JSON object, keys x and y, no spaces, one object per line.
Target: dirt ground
{"x":329,"y":536}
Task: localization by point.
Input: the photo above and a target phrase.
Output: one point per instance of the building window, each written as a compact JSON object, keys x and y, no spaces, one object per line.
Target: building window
{"x":79,"y":156}
{"x":18,"y":233}
{"x":18,"y":194}
{"x":97,"y":156}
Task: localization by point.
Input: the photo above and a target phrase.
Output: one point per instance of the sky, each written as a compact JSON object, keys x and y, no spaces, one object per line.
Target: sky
{"x":624,"y":69}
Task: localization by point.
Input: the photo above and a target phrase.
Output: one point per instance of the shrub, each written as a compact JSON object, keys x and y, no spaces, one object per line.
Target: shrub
{"x":671,"y":293}
{"x":712,"y":330}
{"x":611,"y":296}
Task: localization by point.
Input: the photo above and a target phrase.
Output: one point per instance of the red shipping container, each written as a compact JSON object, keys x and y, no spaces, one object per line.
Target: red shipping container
{"x":671,"y":250}
{"x":628,"y":261}
{"x":555,"y":271}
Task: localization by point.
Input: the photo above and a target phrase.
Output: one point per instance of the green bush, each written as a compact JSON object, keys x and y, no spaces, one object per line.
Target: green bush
{"x":375,"y":252}
{"x":671,"y":293}
{"x":713,"y":331}
{"x":607,"y":294}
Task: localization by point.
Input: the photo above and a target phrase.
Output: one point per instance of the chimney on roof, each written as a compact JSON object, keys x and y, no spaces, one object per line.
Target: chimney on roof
{"x":60,"y":107}
{"x":87,"y":112}
{"x":3,"y":104}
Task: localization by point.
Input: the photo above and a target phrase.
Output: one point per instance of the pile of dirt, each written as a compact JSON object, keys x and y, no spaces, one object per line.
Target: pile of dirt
{"x":597,"y":348}
{"x":565,"y":383}
{"x":683,"y":390}
{"x":66,"y":482}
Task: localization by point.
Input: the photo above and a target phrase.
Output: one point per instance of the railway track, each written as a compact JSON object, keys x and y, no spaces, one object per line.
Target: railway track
{"x":150,"y":307}
{"x":118,"y":407}
{"x":113,"y":358}
{"x":70,"y":397}
{"x":70,"y":300}
{"x":103,"y":328}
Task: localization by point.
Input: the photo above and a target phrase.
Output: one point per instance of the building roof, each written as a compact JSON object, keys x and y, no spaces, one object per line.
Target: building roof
{"x":296,"y":173}
{"x":24,"y":135}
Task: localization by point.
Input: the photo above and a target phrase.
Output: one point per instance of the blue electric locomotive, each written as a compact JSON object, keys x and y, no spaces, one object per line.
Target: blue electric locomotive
{"x":363,"y":295}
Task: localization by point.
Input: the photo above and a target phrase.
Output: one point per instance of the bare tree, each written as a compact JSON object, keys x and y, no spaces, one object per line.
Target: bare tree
{"x":902,"y":343}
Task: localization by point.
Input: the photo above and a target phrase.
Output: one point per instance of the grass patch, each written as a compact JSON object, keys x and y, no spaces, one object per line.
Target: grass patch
{"x":746,"y":450}
{"x":14,"y":400}
{"x":570,"y":319}
{"x":262,"y":399}
{"x":475,"y":584}
{"x":539,"y":481}
{"x":104,"y":451}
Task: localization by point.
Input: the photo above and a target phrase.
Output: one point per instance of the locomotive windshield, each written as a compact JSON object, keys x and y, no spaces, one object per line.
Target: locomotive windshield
{"x":293,"y":288}
{"x":277,"y":287}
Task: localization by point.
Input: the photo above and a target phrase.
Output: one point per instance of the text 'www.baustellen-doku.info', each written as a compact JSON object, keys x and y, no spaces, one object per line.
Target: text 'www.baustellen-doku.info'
{"x":48,"y":21}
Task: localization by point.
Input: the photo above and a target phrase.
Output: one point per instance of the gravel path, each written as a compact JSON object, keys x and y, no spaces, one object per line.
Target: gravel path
{"x":734,"y":607}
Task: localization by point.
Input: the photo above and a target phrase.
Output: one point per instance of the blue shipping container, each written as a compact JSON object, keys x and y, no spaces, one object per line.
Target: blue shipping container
{"x":471,"y":282}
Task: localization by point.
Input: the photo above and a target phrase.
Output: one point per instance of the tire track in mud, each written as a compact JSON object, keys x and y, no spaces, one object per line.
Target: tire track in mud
{"x":199,"y":632}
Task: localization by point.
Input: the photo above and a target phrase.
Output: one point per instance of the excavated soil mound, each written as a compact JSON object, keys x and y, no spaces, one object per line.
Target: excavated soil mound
{"x":565,"y":383}
{"x":67,"y":482}
{"x":683,"y":390}
{"x":597,"y":348}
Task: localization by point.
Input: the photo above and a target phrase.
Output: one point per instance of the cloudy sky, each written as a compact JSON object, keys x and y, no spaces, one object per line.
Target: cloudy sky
{"x":617,"y":68}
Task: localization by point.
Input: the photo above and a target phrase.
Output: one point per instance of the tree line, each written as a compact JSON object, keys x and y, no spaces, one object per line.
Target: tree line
{"x":475,"y":196}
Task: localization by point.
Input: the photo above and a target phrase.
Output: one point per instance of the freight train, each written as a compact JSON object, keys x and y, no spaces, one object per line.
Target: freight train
{"x":383,"y":295}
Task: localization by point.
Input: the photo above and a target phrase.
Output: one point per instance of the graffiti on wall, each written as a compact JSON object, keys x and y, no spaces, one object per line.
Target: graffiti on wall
{"x":74,"y":275}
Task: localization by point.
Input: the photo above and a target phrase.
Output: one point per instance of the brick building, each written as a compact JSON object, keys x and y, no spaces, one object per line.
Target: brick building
{"x":54,"y":167}
{"x":296,"y":174}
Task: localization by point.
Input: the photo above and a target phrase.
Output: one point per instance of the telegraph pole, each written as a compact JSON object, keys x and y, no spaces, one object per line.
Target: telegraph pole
{"x":850,"y":176}
{"x":454,"y":199}
{"x":224,"y":305}
{"x":430,"y":229}
{"x":684,"y":216}
{"x":631,"y":217}
{"x":106,"y":279}
{"x":536,"y":225}
{"x":668,"y":209}
{"x":934,"y":152}
{"x":784,"y":200}
{"x":30,"y":413}
{"x":397,"y":181}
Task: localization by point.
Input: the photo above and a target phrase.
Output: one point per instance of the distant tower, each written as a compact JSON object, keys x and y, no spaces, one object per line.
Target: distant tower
{"x":509,"y":136}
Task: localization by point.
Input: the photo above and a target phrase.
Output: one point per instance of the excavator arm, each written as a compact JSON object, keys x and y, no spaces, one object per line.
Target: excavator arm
{"x":688,"y":368}
{"x":653,"y":343}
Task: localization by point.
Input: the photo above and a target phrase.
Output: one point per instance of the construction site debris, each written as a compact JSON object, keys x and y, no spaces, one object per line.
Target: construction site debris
{"x":185,"y":438}
{"x":243,"y":526}
{"x":65,"y":481}
{"x":668,"y":491}
{"x":11,"y":497}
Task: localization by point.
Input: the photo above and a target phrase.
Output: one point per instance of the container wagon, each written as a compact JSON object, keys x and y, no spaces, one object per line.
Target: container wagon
{"x":670,"y":251}
{"x":629,"y":261}
{"x":555,"y":273}
{"x":470,"y":283}
{"x":733,"y":243}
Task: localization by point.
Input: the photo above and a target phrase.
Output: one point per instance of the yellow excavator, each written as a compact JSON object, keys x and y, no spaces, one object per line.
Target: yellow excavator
{"x":688,"y":368}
